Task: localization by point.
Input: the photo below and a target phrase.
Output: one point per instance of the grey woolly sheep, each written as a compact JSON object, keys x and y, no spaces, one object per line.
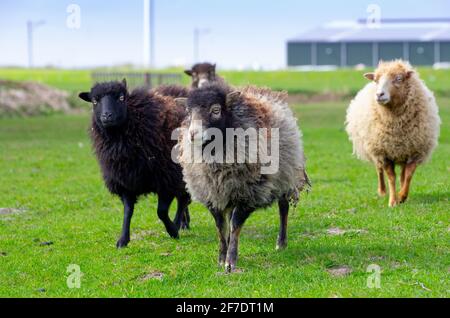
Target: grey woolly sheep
{"x":233,"y":190}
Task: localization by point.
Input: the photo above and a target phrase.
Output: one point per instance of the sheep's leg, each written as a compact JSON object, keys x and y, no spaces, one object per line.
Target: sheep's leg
{"x":222,"y":226}
{"x":408,"y":173}
{"x":186,"y":216}
{"x":186,"y":220}
{"x":381,"y":182}
{"x":163,"y":214}
{"x":128,"y":208}
{"x":182,"y":217}
{"x":390,"y":171}
{"x":283,"y":205}
{"x":238,"y":219}
{"x":402,"y":176}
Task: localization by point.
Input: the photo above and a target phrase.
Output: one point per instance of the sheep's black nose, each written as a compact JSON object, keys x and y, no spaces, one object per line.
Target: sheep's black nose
{"x":380,"y":95}
{"x":107,"y":116}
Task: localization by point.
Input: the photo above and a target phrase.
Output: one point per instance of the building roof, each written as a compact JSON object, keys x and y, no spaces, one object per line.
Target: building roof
{"x":387,"y":30}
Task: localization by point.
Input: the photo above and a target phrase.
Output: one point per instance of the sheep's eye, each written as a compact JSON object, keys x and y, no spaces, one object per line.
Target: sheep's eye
{"x":94,"y":101}
{"x":122,"y":98}
{"x":399,"y":78}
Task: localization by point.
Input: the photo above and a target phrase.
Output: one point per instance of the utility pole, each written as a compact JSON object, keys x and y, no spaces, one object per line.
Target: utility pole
{"x":31,"y":26}
{"x":152,"y":34}
{"x":149,"y":33}
{"x":197,"y":33}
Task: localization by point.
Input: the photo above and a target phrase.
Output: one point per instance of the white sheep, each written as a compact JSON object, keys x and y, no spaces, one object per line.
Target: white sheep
{"x":394,"y":120}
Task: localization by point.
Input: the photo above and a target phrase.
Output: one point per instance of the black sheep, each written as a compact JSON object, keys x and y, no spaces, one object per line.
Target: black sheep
{"x":203,"y":74}
{"x":131,"y":136}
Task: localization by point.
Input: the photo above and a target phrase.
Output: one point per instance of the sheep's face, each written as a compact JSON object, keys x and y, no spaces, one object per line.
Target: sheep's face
{"x":109,"y":102}
{"x":110,"y":110}
{"x":391,"y":86}
{"x":208,"y":108}
{"x":202,"y":74}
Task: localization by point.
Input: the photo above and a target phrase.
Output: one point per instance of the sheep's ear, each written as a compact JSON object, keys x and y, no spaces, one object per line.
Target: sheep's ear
{"x":370,"y":76}
{"x":409,"y":74}
{"x":233,"y":97}
{"x":181,"y":101}
{"x":85,"y":96}
{"x":188,"y":72}
{"x":124,"y":82}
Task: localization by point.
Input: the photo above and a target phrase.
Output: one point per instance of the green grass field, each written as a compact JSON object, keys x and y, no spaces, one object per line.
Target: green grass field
{"x":345,"y":81}
{"x":50,"y":177}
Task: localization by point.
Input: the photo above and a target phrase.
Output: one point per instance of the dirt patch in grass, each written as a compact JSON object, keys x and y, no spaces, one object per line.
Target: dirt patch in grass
{"x":339,"y":271}
{"x":31,"y":98}
{"x":152,"y":276}
{"x":338,"y":231}
{"x":143,"y":234}
{"x":9,"y":211}
{"x":165,"y":254}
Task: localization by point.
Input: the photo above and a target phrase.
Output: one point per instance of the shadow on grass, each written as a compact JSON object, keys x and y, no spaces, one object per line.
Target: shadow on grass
{"x":429,"y":198}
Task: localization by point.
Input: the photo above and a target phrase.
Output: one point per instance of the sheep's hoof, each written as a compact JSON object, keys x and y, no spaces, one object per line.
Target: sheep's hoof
{"x":393,"y":203}
{"x":229,"y":268}
{"x":403,"y":198}
{"x":184,"y":226}
{"x":381,"y":193}
{"x":281,"y":245}
{"x":232,"y":269}
{"x":122,"y":242}
{"x":222,"y":260}
{"x":172,"y":230}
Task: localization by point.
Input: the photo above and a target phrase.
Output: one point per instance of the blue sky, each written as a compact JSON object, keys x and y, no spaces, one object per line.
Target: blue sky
{"x":242,"y":32}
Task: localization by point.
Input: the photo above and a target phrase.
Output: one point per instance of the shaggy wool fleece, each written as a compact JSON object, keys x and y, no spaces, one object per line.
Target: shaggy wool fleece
{"x":403,"y":132}
{"x":219,"y":186}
